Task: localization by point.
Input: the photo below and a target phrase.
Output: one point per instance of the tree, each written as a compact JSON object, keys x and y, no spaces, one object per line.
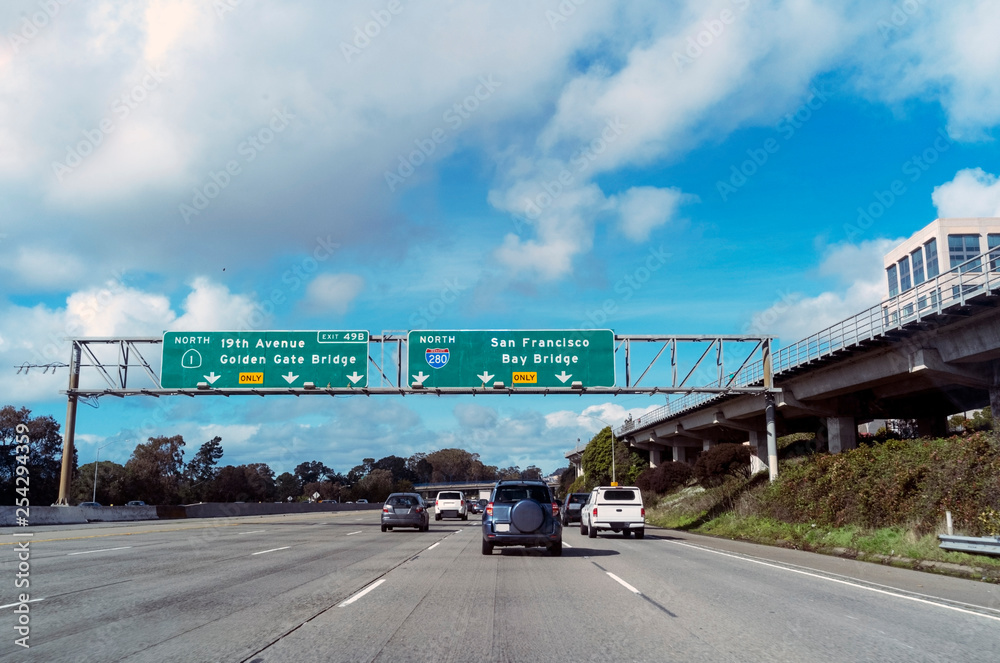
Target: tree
{"x":287,"y":486}
{"x":155,"y":469}
{"x":597,"y":462}
{"x":451,"y":464}
{"x":421,"y":467}
{"x":311,"y":471}
{"x":44,"y":457}
{"x":229,"y":485}
{"x":260,"y":482}
{"x":374,"y":486}
{"x":202,"y":466}
{"x":531,"y":472}
{"x":512,"y":472}
{"x":396,"y":466}
{"x":112,"y":486}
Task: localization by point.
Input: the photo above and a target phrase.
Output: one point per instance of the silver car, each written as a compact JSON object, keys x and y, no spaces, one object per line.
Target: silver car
{"x":405,"y":510}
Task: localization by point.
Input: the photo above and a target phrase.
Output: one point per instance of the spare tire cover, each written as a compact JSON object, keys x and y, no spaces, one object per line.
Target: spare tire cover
{"x":527,"y":515}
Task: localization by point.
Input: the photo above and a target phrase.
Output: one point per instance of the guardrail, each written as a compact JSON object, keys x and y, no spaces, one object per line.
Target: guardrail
{"x":952,"y":289}
{"x":981,"y":545}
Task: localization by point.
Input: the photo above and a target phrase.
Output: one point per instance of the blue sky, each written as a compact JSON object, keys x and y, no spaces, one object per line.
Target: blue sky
{"x":195,"y":165}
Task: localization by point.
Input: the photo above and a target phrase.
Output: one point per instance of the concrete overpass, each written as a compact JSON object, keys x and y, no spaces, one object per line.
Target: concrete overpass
{"x":924,"y":355}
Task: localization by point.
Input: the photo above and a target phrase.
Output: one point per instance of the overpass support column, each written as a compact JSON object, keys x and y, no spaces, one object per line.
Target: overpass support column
{"x":655,"y":456}
{"x":842,"y":434}
{"x":758,"y":443}
{"x":932,"y":427}
{"x":679,"y":455}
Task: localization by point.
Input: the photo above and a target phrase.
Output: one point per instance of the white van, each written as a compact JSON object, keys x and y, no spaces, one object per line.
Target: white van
{"x":617,"y":508}
{"x":450,"y":504}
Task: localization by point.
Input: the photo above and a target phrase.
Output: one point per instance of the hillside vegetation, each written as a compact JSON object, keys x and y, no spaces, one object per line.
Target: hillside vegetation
{"x":885,"y":501}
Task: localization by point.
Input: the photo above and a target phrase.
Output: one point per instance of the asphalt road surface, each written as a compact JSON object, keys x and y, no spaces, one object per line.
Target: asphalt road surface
{"x":333,"y":587}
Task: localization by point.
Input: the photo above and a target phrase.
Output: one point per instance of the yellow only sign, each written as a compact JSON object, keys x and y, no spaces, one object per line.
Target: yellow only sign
{"x":525,"y":378}
{"x":251,"y":378}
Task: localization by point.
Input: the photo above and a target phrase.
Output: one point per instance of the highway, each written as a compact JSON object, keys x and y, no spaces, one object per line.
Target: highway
{"x":333,"y":587}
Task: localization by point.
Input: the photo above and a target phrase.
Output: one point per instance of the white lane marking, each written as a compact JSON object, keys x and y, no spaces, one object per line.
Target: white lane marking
{"x":271,"y":550}
{"x":256,"y":531}
{"x":362,"y":593}
{"x":458,"y":531}
{"x":435,"y":546}
{"x":11,"y":605}
{"x":842,"y":582}
{"x":623,"y":583}
{"x":353,"y":533}
{"x":566,"y":545}
{"x":87,"y":552}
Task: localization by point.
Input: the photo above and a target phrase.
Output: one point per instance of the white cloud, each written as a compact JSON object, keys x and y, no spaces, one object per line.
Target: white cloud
{"x":43,"y":268}
{"x":857,"y":269}
{"x":643,"y":209}
{"x":211,"y":306}
{"x":947,"y":52}
{"x":972,"y":193}
{"x":332,"y":293}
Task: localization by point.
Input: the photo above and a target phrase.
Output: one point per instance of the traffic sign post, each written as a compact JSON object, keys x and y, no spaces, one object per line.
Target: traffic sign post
{"x":264,"y":359}
{"x":517,"y":358}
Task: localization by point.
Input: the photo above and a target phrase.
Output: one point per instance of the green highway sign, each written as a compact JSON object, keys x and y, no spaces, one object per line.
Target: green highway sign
{"x":252,"y":359}
{"x":518,"y":358}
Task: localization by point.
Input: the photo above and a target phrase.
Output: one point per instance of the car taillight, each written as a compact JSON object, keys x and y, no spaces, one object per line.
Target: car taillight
{"x":595,"y":512}
{"x":642,"y":512}
{"x":420,"y":509}
{"x":436,"y":503}
{"x":489,"y":509}
{"x":555,"y":508}
{"x":385,"y":509}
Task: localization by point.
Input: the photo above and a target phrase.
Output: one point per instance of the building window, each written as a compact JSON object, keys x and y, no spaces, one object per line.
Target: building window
{"x":904,"y":274}
{"x":930,"y":253}
{"x":993,"y":245}
{"x":893,"y":282}
{"x":917,"y":258}
{"x":962,"y":249}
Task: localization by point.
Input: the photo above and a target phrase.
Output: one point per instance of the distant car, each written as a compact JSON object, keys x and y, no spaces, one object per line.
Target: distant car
{"x":136,"y":503}
{"x":522,"y":513}
{"x":405,"y":510}
{"x":450,"y":504}
{"x":90,"y":504}
{"x":473,"y":506}
{"x":571,"y":507}
{"x":362,"y":501}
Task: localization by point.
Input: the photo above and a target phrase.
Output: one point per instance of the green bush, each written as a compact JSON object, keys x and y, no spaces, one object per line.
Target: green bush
{"x":722,"y":460}
{"x":664,"y":478}
{"x":905,"y":483}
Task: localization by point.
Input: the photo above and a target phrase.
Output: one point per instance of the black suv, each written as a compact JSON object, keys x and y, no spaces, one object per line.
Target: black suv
{"x":522,"y":513}
{"x":571,"y":507}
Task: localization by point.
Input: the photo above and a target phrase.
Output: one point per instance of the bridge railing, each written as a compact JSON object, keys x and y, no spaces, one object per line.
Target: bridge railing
{"x":954,"y":288}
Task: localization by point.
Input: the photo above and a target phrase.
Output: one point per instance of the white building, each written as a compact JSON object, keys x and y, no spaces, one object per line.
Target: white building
{"x":942,"y":245}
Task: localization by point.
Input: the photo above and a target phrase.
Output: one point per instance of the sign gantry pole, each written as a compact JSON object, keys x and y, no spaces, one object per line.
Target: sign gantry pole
{"x":69,"y":431}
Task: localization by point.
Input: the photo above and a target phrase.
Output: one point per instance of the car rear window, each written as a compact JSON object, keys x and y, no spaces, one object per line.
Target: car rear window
{"x":580,"y":498}
{"x":518,"y":493}
{"x":622,"y":495}
{"x":402,"y":501}
{"x":450,"y":496}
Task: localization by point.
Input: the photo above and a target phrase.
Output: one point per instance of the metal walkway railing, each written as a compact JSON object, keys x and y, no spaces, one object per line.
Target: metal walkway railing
{"x":953,"y":289}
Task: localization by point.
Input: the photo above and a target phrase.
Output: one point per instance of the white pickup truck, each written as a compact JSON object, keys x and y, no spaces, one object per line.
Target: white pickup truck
{"x":617,"y":508}
{"x":450,"y":503}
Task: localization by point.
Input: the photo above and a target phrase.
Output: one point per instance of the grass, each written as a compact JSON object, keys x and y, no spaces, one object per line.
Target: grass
{"x":745,"y":510}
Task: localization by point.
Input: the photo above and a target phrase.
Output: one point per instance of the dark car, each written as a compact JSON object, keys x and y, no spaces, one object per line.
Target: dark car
{"x":522,"y":513}
{"x":571,"y":507}
{"x":405,"y":510}
{"x":473,"y":506}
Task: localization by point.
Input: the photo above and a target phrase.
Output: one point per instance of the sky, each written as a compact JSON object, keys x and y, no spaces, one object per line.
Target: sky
{"x":652,"y":167}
